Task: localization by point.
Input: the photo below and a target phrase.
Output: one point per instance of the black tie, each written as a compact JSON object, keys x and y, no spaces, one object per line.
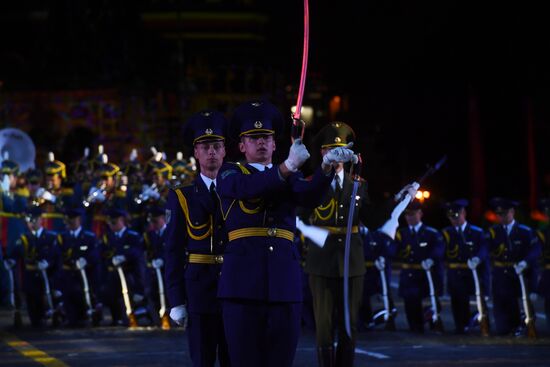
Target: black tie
{"x":337,"y":186}
{"x":213,"y":192}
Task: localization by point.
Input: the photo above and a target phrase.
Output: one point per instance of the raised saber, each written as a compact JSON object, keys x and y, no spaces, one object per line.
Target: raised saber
{"x":529,"y":321}
{"x":165,"y":323}
{"x":356,"y":174}
{"x":298,"y":125}
{"x":132,"y":322}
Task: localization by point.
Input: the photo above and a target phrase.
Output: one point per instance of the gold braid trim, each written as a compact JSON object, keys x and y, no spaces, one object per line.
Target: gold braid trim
{"x":185,"y":208}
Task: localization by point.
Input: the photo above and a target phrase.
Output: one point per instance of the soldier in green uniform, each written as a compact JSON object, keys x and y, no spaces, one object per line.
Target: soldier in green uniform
{"x":325,"y":261}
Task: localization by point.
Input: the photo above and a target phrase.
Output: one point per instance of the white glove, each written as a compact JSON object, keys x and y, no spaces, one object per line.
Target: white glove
{"x":96,"y":195}
{"x":46,"y":195}
{"x":427,"y":264}
{"x":297,"y":156}
{"x":520,"y":267}
{"x":533,"y":297}
{"x":149,"y":193}
{"x":9,"y":264}
{"x":81,"y":263}
{"x":5,"y":184}
{"x":57,"y":293}
{"x":179,"y":315}
{"x":473,"y":262}
{"x":407,"y":189}
{"x":118,"y":259}
{"x":316,"y":234}
{"x":157,"y":263}
{"x":340,"y":154}
{"x":43,"y":264}
{"x":380,"y":263}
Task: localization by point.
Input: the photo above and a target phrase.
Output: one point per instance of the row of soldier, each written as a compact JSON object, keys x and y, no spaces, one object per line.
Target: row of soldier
{"x":224,"y":230}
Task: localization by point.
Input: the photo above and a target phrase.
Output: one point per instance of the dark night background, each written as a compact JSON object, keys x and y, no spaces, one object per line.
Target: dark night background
{"x":416,"y":80}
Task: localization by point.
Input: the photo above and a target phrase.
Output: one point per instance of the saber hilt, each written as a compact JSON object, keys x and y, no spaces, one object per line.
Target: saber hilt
{"x":297,"y":129}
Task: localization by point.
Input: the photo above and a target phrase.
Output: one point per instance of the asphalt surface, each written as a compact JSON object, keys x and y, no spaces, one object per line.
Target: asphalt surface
{"x":148,"y":346}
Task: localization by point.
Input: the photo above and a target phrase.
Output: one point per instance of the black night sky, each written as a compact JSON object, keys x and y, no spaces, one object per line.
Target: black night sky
{"x":419,"y":80}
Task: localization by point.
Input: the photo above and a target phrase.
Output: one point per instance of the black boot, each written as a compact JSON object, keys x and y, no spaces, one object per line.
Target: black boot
{"x":345,"y":354}
{"x":325,"y":355}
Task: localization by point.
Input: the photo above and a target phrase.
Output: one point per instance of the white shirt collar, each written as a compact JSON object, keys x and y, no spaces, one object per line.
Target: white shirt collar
{"x":261,"y":167}
{"x":417,"y":227}
{"x":38,"y":233}
{"x":463,"y":226}
{"x":161,"y":231}
{"x":341,"y":175}
{"x":509,"y":227}
{"x":207,"y":181}
{"x":120,"y":233}
{"x":76,"y":232}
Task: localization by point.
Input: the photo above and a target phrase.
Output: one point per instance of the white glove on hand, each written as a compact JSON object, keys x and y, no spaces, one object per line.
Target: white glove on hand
{"x":407,"y":189}
{"x":520,"y":267}
{"x":43,"y":264}
{"x":179,"y":315}
{"x":427,"y":264}
{"x":46,"y":195}
{"x":380,"y":263}
{"x":297,"y":156}
{"x":57,"y":293}
{"x":118,"y":259}
{"x":340,"y":154}
{"x":5,"y":184}
{"x":81,"y":263}
{"x":96,"y":195}
{"x":150,"y":193}
{"x":157,"y":263}
{"x":473,"y":262}
{"x":9,"y":264}
{"x":533,"y":297}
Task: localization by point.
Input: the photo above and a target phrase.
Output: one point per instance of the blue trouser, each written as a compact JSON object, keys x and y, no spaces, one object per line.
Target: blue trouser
{"x":506,"y":313}
{"x":207,"y":340}
{"x":261,"y":333}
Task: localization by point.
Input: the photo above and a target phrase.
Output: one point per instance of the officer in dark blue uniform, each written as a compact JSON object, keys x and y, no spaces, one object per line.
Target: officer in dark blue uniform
{"x":260,"y":284}
{"x":196,"y":237}
{"x":420,"y":248}
{"x":122,"y":247}
{"x":37,"y":249}
{"x":543,"y":288}
{"x":514,"y":249}
{"x":79,"y":251}
{"x":466,"y":251}
{"x":155,"y":244}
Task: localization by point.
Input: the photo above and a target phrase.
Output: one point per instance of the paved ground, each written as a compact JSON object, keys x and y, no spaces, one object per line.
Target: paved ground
{"x":117,"y":346}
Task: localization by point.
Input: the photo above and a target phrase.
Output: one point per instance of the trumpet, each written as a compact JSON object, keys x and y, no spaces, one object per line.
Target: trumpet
{"x":96,"y":193}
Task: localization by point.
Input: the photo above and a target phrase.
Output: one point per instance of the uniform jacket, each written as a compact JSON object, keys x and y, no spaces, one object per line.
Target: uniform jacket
{"x":195,"y":226}
{"x":265,"y":268}
{"x":333,"y":212}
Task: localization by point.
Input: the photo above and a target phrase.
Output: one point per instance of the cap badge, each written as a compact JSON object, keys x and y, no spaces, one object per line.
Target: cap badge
{"x":337,"y":139}
{"x":208,"y":131}
{"x":258,"y":125}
